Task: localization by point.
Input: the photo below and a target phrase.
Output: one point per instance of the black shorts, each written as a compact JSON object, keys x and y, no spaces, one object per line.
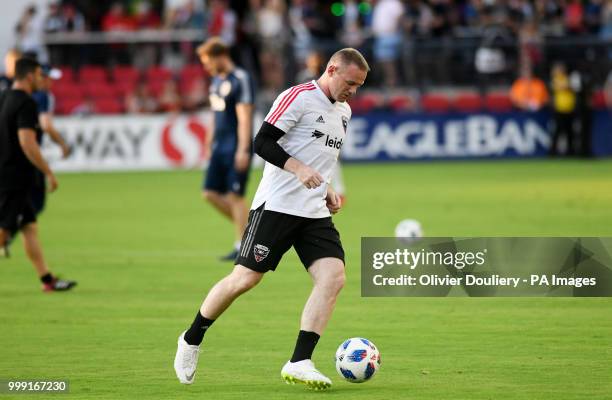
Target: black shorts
{"x":16,"y":209}
{"x":269,"y":234}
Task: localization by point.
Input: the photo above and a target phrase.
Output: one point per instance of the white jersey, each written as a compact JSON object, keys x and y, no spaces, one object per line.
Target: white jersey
{"x":315,"y":129}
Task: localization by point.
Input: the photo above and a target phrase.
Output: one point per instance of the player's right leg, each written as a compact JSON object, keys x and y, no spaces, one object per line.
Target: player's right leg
{"x":266,"y":238}
{"x":220,"y":297}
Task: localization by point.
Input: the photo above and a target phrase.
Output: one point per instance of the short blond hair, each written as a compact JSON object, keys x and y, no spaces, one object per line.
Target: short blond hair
{"x":348,"y":56}
{"x":213,"y":47}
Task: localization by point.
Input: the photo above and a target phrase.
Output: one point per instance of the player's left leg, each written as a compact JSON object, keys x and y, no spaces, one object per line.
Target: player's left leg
{"x":35,"y":254}
{"x":236,"y":182}
{"x":328,"y":278}
{"x":319,"y":247}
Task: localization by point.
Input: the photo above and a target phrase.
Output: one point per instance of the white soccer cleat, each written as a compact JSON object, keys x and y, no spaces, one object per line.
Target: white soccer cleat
{"x":305,"y":372}
{"x":186,"y":360}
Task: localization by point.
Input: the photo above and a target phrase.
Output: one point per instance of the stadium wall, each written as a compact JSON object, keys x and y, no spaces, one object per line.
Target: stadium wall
{"x":124,"y":142}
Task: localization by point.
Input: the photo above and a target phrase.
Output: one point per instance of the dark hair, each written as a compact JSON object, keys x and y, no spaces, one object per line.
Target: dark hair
{"x":213,"y":47}
{"x":25,"y":66}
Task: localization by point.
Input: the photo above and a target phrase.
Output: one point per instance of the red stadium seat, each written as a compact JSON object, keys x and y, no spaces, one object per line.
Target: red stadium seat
{"x":155,"y":87}
{"x":435,"y":103}
{"x":192,"y":70}
{"x":467,"y":102}
{"x":599,"y":99}
{"x":190,"y":74}
{"x":400,"y":102}
{"x":366,"y":103}
{"x":122,"y":88}
{"x":92,"y":73}
{"x":125,"y":73}
{"x":158,"y":73}
{"x":498,"y":102}
{"x":66,"y":89}
{"x":99,"y":89}
{"x":67,"y":73}
{"x":108,"y":106}
{"x":68,"y":105}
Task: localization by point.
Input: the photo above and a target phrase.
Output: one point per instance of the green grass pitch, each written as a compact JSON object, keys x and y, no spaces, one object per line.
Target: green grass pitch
{"x":144,"y":249}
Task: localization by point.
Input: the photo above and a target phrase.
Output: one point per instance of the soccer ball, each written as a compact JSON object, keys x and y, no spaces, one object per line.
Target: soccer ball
{"x":357,"y":360}
{"x":408,"y":231}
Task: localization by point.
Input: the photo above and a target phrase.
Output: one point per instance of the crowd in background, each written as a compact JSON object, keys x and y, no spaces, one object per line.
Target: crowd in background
{"x":422,"y":45}
{"x":272,"y":37}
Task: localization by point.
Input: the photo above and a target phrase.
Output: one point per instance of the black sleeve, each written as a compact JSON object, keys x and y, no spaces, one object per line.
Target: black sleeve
{"x":266,"y":145}
{"x":27,"y":116}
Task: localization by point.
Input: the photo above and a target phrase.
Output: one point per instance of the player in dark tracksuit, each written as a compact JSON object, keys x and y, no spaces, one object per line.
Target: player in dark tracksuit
{"x":230,"y":148}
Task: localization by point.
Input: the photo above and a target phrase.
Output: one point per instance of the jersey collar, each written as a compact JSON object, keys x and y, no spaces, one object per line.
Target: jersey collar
{"x":323,"y":95}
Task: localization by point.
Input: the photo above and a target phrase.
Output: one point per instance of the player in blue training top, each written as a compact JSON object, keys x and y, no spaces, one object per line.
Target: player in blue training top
{"x":230,"y":145}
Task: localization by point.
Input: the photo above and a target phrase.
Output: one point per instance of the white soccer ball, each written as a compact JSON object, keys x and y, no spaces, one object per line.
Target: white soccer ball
{"x":409,"y":231}
{"x":357,"y":360}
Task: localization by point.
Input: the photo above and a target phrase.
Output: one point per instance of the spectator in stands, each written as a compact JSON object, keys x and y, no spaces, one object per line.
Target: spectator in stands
{"x":302,"y":39}
{"x":492,"y":58}
{"x":386,"y":20}
{"x":608,"y":90}
{"x":223,"y":22}
{"x":528,"y":92}
{"x":169,"y":98}
{"x":606,"y":25}
{"x":574,"y":17}
{"x":140,"y":100}
{"x":273,"y":38}
{"x":549,"y":12}
{"x":353,"y":32}
{"x":60,"y":20}
{"x":564,"y":106}
{"x":313,"y":69}
{"x":531,"y":45}
{"x":186,"y":16}
{"x":592,"y":16}
{"x":54,"y":22}
{"x":117,"y":20}
{"x":29,"y":30}
{"x":146,"y":17}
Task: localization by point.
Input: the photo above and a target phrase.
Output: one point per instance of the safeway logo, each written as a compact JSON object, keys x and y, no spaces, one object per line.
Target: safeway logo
{"x":182,"y":141}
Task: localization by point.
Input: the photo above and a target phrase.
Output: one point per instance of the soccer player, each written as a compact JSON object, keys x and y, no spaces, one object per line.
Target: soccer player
{"x":45,"y":102}
{"x":300,"y":140}
{"x":231,"y":99}
{"x":19,"y":158}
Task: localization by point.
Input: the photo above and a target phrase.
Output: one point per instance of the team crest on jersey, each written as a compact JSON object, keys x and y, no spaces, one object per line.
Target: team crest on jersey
{"x":225,"y":88}
{"x":344,"y":123}
{"x":260,"y":252}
